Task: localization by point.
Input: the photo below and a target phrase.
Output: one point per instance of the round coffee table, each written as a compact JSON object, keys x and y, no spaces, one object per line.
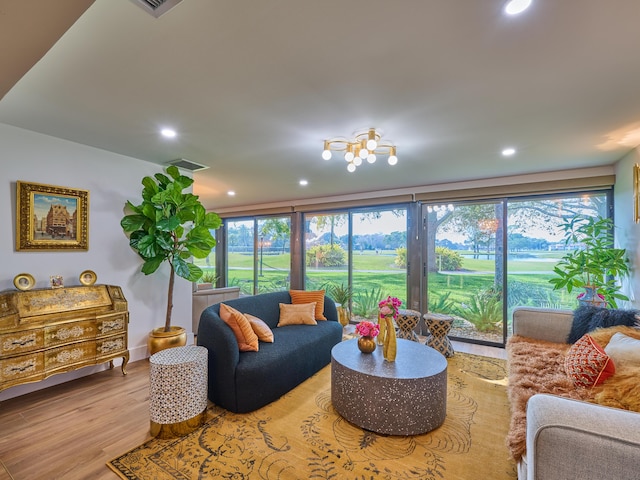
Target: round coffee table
{"x":405,"y":397}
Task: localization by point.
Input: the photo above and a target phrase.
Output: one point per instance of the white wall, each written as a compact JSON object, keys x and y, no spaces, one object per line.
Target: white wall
{"x":111,"y":180}
{"x":627,"y":231}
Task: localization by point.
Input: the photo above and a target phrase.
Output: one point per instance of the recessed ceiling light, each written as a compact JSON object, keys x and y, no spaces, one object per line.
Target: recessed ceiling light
{"x":168,"y":133}
{"x":507,"y":152}
{"x":304,"y":183}
{"x":231,"y":193}
{"x":515,"y":7}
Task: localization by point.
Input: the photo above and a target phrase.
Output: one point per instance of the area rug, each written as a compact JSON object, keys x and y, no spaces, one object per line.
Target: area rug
{"x":300,"y":436}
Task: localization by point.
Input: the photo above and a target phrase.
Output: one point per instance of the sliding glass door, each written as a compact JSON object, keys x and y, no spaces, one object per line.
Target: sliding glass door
{"x":465,"y":267}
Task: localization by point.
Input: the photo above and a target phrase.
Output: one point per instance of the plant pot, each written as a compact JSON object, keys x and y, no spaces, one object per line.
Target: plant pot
{"x":161,"y":340}
{"x":589,"y":297}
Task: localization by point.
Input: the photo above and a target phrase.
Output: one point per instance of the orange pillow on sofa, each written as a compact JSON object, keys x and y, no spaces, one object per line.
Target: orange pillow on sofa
{"x":309,"y":296}
{"x":261,"y":329}
{"x":246,"y":337}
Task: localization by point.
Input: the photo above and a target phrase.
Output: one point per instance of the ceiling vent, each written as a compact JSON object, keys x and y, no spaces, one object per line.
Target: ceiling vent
{"x":187,"y":165}
{"x":156,"y":7}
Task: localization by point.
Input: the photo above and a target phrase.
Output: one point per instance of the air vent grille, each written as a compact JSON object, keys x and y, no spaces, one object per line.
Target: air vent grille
{"x":187,"y":165}
{"x":156,"y":7}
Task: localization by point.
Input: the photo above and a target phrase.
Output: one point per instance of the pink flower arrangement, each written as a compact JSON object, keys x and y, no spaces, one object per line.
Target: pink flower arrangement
{"x":368,"y":329}
{"x":389,"y":307}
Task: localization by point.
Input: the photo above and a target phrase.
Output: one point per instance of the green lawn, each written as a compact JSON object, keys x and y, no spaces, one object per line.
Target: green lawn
{"x":377,"y":274}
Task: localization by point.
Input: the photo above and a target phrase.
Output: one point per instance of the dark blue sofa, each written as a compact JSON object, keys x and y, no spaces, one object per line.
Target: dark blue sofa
{"x":245,"y":381}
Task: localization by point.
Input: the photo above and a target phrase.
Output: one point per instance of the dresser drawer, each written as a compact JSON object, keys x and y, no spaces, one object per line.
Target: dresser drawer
{"x":22,"y":366}
{"x":111,"y":346}
{"x":61,"y":357}
{"x":111,"y":324}
{"x":69,"y":332}
{"x":20,"y":342}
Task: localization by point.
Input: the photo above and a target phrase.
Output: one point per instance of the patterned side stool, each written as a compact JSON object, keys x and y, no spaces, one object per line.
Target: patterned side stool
{"x":439,"y":326}
{"x":407,"y":320}
{"x":178,"y":390}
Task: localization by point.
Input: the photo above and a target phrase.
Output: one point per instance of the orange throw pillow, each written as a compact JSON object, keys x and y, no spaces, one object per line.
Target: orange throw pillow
{"x":308,"y":296}
{"x":587,"y":364}
{"x":260,"y":328}
{"x":301,"y":314}
{"x":247,"y":339}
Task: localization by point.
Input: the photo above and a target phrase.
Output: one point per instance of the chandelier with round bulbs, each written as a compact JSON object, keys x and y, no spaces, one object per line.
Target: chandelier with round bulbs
{"x":366,"y":145}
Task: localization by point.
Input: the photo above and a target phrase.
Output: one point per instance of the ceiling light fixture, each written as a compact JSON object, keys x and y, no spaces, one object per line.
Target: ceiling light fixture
{"x":364,"y":146}
{"x":515,"y":7}
{"x":304,"y":183}
{"x":509,"y":151}
{"x":168,"y":133}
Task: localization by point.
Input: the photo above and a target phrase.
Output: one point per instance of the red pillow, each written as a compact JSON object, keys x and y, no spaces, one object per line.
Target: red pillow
{"x":587,"y":363}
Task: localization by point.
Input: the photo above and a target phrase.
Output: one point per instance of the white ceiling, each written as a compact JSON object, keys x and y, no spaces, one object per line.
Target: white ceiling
{"x":254,"y":87}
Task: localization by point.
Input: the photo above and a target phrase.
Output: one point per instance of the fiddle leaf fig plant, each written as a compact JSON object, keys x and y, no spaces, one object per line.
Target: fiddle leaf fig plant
{"x":171,"y":226}
{"x":597,"y":264}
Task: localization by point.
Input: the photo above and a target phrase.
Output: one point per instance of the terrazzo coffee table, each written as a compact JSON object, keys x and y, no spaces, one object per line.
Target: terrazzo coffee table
{"x":405,"y":397}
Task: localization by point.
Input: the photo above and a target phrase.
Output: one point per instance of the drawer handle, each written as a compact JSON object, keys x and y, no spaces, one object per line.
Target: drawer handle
{"x":15,"y":343}
{"x":110,"y":326}
{"x":24,"y":368}
{"x":111,"y":346}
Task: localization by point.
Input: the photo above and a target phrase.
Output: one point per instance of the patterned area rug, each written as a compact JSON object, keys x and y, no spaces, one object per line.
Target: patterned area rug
{"x":301,"y":436}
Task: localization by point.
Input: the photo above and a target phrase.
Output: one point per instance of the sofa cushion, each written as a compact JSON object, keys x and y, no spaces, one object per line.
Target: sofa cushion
{"x":260,"y":328}
{"x":245,"y":336}
{"x":587,"y":363}
{"x":308,"y":296}
{"x":623,"y":349}
{"x":301,"y":314}
{"x":587,"y":318}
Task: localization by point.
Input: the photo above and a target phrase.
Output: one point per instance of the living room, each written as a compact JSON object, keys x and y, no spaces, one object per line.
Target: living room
{"x":32,"y":152}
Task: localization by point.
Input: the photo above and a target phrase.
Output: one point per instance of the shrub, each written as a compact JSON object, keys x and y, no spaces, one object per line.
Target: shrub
{"x":447,"y":259}
{"x":365,"y":302}
{"x":401,"y":257}
{"x":484,"y":311}
{"x":326,"y":256}
{"x":441,"y":303}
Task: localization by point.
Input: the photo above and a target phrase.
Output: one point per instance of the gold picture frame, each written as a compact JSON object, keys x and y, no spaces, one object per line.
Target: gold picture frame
{"x":636,"y":193}
{"x":49,"y":217}
{"x":24,"y":281}
{"x":88,"y":277}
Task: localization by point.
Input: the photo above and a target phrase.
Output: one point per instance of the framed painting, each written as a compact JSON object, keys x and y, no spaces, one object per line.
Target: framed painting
{"x":636,"y":193}
{"x":49,"y":217}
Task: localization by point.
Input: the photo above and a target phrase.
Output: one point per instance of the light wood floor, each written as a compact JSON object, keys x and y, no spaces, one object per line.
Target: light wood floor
{"x":70,"y":431}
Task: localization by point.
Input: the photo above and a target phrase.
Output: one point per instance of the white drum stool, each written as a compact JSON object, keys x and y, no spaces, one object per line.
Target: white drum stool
{"x":178,"y":391}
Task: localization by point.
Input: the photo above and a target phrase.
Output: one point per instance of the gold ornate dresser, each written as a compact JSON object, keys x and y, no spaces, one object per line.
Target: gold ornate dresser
{"x":49,"y":331}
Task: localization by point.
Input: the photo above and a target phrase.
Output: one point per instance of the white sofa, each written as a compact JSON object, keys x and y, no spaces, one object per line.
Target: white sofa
{"x":205,"y":297}
{"x":569,"y":439}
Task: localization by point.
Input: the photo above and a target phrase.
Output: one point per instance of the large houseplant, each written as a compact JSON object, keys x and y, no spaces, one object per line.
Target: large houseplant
{"x":597,"y":265}
{"x":171,"y":226}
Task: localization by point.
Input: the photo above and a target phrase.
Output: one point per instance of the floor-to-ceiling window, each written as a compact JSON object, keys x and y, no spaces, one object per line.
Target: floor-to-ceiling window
{"x":240,"y":255}
{"x":535,"y":239}
{"x":473,"y":260}
{"x":365,"y":249}
{"x":379,"y":258}
{"x":259,"y":254}
{"x":465,"y":268}
{"x":483,"y":259}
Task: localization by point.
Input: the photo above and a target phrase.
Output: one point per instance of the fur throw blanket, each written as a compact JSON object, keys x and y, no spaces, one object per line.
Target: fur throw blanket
{"x":537,"y":366}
